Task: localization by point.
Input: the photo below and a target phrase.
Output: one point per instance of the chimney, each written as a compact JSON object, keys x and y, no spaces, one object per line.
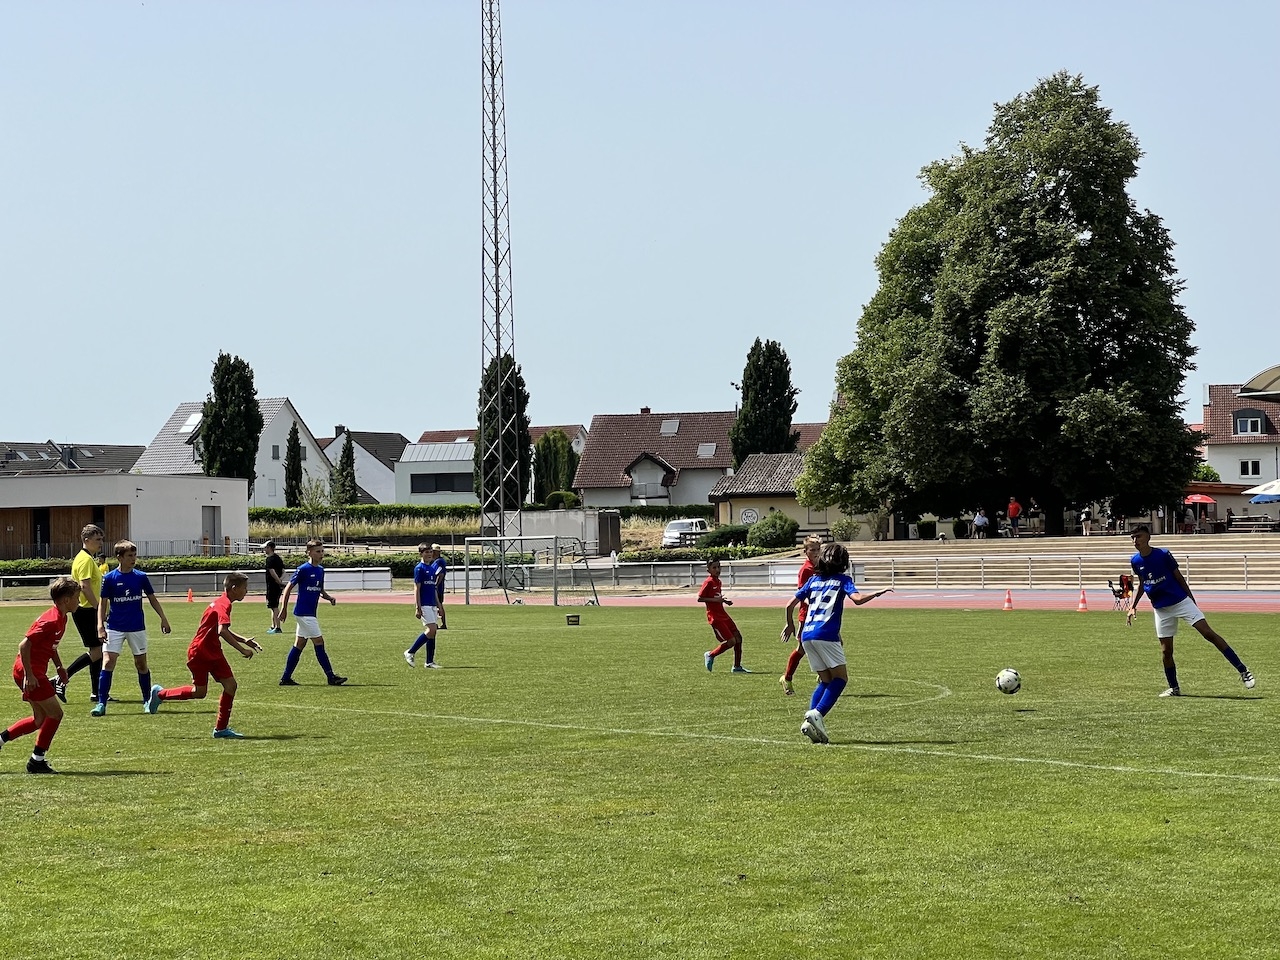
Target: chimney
{"x":645,"y":410}
{"x":338,"y":431}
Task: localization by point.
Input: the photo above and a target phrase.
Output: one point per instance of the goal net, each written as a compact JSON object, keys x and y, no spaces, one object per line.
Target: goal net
{"x":545,"y":569}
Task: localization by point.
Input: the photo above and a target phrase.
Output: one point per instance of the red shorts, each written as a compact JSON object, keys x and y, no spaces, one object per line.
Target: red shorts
{"x":725,"y":629}
{"x":203,"y":667}
{"x":43,"y":692}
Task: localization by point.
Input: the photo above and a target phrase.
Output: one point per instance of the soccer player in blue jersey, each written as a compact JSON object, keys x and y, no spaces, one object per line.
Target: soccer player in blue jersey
{"x":824,"y":594}
{"x":121,"y":621}
{"x":425,"y":607}
{"x":1157,"y":575}
{"x":309,"y":579}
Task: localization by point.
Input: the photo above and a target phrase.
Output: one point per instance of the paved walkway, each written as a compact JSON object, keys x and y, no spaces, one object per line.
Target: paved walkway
{"x":1098,"y":601}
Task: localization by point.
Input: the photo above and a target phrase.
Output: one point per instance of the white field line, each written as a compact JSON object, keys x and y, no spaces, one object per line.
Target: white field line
{"x":767,"y":741}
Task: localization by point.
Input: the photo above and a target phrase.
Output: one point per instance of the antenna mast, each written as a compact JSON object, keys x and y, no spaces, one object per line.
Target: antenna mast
{"x":496,"y":439}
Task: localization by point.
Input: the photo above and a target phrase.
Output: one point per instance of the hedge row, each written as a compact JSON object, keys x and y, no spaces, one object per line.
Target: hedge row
{"x":373,"y":513}
{"x":401,"y":564}
{"x":693,"y":554}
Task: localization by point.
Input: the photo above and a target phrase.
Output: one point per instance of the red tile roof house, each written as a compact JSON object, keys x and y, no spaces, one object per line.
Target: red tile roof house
{"x":1242,"y":427}
{"x":654,"y":459}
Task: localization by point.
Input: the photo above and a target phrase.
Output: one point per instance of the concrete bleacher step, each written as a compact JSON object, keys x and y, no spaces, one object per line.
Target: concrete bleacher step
{"x":1244,"y":561}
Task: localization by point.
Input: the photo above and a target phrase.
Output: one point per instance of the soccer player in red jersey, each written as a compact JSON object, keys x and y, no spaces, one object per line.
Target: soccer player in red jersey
{"x":31,"y":673}
{"x":726,"y":632}
{"x":205,"y":658}
{"x":812,"y":547}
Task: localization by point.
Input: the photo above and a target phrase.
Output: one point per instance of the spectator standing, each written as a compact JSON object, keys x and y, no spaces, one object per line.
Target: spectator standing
{"x":1014,"y":511}
{"x":274,"y":565}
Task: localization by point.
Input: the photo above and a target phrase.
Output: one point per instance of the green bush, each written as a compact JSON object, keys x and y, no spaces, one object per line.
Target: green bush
{"x":725,"y":535}
{"x":928,"y":529}
{"x":372,"y":513}
{"x":960,"y":529}
{"x":693,"y":554}
{"x":776,"y":530}
{"x":846,"y":529}
{"x":562,"y":500}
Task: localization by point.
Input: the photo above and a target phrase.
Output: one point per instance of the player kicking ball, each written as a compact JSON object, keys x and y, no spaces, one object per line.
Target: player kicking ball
{"x":205,"y":658}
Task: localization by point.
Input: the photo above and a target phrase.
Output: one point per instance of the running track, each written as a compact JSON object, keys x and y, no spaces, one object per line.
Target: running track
{"x":1098,"y":601}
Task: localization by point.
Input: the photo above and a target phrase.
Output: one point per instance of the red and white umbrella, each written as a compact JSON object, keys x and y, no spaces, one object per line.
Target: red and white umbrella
{"x":1199,"y":498}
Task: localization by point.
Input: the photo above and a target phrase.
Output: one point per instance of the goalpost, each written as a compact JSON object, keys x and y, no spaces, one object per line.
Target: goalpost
{"x":518,"y":569}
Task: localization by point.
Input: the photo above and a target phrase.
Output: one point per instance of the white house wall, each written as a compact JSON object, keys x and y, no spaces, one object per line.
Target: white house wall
{"x":1226,"y":457}
{"x":269,"y":489}
{"x":161,"y":508}
{"x":371,"y":473}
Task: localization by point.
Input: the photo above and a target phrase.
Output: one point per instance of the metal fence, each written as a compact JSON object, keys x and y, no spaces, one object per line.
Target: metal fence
{"x":209,"y":582}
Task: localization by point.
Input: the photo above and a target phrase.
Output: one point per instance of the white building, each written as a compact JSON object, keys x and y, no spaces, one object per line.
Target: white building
{"x":436,"y":473}
{"x":171,"y":516}
{"x":375,"y":455}
{"x":175,"y":451}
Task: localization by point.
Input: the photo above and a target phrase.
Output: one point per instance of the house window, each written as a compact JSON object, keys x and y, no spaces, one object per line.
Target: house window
{"x":303,"y":457}
{"x":271,"y":487}
{"x":440,"y":483}
{"x":275,"y":451}
{"x":1250,"y":468}
{"x":706,"y":451}
{"x":1248,"y":425}
{"x":669,"y":428}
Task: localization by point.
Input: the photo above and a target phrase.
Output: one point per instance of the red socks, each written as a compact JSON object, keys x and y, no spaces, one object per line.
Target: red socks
{"x":178,"y":693}
{"x":47,"y":729}
{"x":793,"y":663}
{"x":224,"y":710}
{"x":22,"y":728}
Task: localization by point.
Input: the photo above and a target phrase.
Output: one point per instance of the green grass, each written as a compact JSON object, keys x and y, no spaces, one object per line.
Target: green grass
{"x":593,"y":792}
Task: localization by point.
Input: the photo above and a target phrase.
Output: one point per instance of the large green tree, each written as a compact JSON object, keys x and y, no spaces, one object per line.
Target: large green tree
{"x":231,"y":422}
{"x":503,"y":399}
{"x":1026,"y":338}
{"x":342,"y":478}
{"x":554,"y":464}
{"x":768,"y":403}
{"x":293,"y":468}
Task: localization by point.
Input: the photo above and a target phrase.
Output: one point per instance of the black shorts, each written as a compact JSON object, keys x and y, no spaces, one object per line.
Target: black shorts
{"x":86,"y":621}
{"x":273,"y":598}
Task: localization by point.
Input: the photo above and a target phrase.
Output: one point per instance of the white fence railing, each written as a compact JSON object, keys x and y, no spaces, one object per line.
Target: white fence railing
{"x":209,"y":582}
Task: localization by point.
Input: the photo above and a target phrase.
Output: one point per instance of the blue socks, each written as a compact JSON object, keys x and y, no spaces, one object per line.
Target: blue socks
{"x":291,"y":662}
{"x":431,"y":649}
{"x":323,"y":658}
{"x":834,"y":688}
{"x":104,"y":685}
{"x":144,"y":681}
{"x":1171,"y":674}
{"x":417,"y":644}
{"x":1233,"y":659}
{"x":818,"y":692}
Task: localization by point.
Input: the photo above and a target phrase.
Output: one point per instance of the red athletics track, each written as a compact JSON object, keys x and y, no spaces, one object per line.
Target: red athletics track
{"x":1099,"y":601}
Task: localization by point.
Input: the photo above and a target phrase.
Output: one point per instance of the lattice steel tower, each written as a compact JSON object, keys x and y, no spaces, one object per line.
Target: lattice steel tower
{"x":497,"y":436}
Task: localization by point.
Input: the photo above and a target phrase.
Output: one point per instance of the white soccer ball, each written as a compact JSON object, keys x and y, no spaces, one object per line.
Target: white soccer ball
{"x":1008,"y":681}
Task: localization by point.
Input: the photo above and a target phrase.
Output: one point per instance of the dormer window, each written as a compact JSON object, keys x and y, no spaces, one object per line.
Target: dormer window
{"x":1248,"y":425}
{"x":1249,"y":421}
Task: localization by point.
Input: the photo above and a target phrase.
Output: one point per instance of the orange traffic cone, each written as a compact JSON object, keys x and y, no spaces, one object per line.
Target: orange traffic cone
{"x":1083,"y":606}
{"x":1008,"y":600}
{"x":190,"y":597}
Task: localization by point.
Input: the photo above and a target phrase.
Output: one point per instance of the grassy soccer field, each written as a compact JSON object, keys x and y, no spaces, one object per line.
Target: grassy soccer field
{"x":592,"y":792}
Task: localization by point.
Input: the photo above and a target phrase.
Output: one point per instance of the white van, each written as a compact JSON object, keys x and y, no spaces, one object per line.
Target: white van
{"x":676,"y":529}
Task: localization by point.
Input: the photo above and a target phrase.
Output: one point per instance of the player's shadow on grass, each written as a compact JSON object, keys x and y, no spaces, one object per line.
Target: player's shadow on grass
{"x":1221,"y":696}
{"x":897,"y":743}
{"x":878,"y":696}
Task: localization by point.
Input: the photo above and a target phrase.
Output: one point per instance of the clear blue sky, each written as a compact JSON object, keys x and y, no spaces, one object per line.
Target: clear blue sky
{"x":298,"y":183}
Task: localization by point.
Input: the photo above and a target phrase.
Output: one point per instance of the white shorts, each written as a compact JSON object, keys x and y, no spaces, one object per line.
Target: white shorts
{"x":428,"y":617}
{"x":824,"y":654}
{"x":307,"y":627}
{"x":137,"y":641}
{"x":1167,"y":617}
